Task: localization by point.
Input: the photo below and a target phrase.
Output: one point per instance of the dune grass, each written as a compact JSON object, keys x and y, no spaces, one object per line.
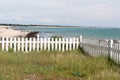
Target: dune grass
{"x":46,"y":65}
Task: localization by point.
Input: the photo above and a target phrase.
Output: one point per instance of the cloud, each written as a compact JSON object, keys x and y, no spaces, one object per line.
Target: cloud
{"x":68,"y":12}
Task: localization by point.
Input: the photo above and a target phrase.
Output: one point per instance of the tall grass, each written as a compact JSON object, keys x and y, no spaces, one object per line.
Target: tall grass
{"x":46,"y":65}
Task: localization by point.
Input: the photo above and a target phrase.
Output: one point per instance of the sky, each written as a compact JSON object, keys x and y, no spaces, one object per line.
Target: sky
{"x":97,"y":13}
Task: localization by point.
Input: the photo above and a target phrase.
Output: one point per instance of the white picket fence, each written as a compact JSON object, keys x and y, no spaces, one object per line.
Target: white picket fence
{"x":107,"y":48}
{"x":39,"y":44}
{"x":92,"y":47}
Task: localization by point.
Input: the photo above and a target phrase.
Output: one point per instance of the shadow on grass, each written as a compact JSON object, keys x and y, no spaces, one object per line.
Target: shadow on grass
{"x":82,"y":51}
{"x":111,"y":62}
{"x":113,"y":65}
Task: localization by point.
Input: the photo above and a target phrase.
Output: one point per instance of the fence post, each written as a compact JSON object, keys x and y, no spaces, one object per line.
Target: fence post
{"x":110,"y":48}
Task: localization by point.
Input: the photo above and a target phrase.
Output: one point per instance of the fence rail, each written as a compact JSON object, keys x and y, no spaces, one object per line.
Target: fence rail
{"x":38,"y":44}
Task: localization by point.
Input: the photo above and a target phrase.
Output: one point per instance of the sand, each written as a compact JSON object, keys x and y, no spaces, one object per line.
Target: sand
{"x":6,"y":31}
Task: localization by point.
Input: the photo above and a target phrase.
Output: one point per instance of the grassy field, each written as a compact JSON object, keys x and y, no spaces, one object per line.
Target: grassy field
{"x":55,"y":66}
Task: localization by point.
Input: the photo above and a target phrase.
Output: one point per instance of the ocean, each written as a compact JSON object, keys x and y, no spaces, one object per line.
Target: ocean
{"x":86,"y":32}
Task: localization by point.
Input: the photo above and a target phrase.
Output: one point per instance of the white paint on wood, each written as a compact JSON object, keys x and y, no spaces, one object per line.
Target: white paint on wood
{"x":45,"y":44}
{"x":70,"y":44}
{"x":37,"y":42}
{"x":110,"y":46}
{"x":56,"y":42}
{"x":52,"y":44}
{"x":73,"y":43}
{"x":30,"y":44}
{"x":15,"y":45}
{"x":7,"y":44}
{"x":66,"y":44}
{"x":22,"y":44}
{"x":41,"y":43}
{"x":81,"y":38}
{"x":48,"y":44}
{"x":77,"y":43}
{"x":63,"y":44}
{"x":18,"y":46}
{"x":59,"y":44}
{"x":26,"y":44}
{"x":34,"y":44}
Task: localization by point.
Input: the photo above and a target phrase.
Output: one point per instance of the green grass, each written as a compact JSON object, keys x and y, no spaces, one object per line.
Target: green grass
{"x":55,"y":66}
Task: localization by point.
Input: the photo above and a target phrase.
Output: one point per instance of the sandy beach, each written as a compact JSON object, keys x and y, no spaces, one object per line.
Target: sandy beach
{"x":6,"y":31}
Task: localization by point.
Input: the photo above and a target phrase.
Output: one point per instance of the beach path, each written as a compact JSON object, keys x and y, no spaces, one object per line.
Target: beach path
{"x":5,"y":31}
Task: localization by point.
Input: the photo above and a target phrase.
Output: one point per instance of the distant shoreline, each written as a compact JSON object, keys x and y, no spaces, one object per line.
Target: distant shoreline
{"x":47,"y":26}
{"x":56,"y":26}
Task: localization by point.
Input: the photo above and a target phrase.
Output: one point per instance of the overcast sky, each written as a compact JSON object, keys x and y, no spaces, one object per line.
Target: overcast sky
{"x":101,"y":13}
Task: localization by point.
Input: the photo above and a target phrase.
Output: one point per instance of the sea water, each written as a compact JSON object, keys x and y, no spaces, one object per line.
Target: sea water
{"x":86,"y":32}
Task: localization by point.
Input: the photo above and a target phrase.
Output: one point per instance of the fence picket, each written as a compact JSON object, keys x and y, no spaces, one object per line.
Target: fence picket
{"x":6,"y":44}
{"x":33,"y":44}
{"x":73,"y":43}
{"x":18,"y":46}
{"x":70,"y":44}
{"x":14,"y":44}
{"x":45,"y":44}
{"x":56,"y":42}
{"x":52,"y":44}
{"x":48,"y":44}
{"x":26,"y":44}
{"x":66,"y":44}
{"x":37,"y":43}
{"x":77,"y":43}
{"x":22,"y":44}
{"x":41,"y":43}
{"x":59,"y":44}
{"x":30,"y":44}
{"x":63,"y":44}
